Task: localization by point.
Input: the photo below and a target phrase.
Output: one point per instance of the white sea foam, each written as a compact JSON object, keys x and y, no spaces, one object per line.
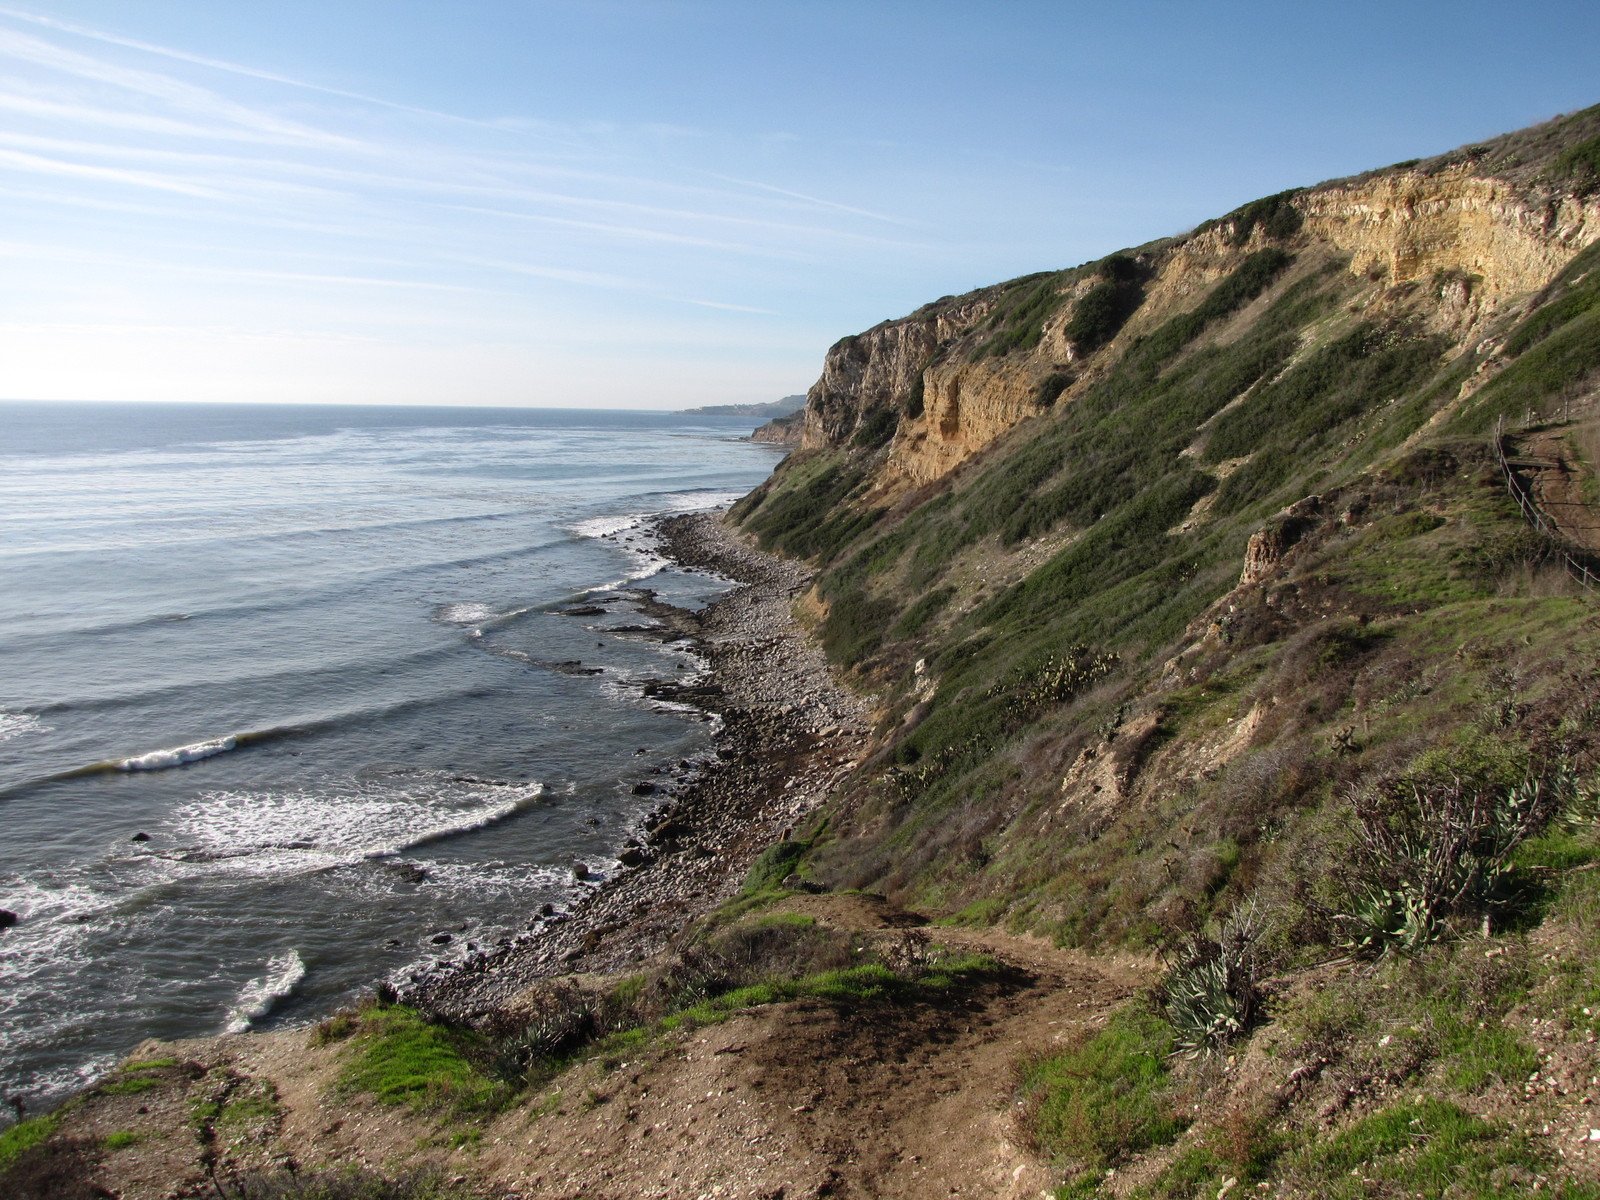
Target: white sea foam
{"x":261,"y":996}
{"x":687,"y":502}
{"x":160,"y":760}
{"x":599,"y":527}
{"x":670,"y":504}
{"x":465,"y":612}
{"x":16,"y":724}
{"x":291,"y":832}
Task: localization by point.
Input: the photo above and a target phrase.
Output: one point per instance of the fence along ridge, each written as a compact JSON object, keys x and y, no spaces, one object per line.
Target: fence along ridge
{"x":1531,"y":512}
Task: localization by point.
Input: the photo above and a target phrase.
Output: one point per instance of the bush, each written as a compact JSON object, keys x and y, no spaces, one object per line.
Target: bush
{"x":1101,"y":313}
{"x":1211,"y":990}
{"x":1051,"y":387}
{"x":1275,"y":215}
{"x":1580,"y":165}
{"x":1432,"y":848}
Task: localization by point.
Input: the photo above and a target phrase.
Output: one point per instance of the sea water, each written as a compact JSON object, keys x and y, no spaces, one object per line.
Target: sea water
{"x":288,"y":694}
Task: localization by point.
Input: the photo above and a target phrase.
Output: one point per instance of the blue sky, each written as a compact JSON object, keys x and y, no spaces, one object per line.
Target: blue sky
{"x":655,"y":204}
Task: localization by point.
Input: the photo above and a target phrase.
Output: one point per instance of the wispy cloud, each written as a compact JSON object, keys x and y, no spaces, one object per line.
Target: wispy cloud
{"x":184,"y":96}
{"x":232,"y":68}
{"x":242,"y":195}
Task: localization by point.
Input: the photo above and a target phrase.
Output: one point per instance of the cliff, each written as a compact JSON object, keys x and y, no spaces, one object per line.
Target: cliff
{"x":945,"y":382}
{"x":1229,"y":816}
{"x":781,"y":431}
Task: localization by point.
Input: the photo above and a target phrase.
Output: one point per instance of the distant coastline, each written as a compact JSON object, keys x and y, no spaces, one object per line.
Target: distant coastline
{"x":787,"y":406}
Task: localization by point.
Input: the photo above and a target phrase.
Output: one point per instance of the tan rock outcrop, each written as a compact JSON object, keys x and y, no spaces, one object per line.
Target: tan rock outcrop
{"x":1411,"y":227}
{"x":876,"y":370}
{"x":965,"y":407}
{"x":1479,"y":242}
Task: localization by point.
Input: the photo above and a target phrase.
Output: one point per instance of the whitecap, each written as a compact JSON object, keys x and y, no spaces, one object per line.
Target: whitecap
{"x":16,"y":724}
{"x":260,"y":996}
{"x":465,"y":612}
{"x":288,"y":832}
{"x":599,"y":527}
{"x":160,"y":760}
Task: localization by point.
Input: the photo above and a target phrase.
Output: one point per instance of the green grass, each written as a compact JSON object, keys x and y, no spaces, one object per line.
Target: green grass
{"x":402,"y":1059}
{"x":773,"y":865}
{"x":148,"y":1064}
{"x":1108,"y":1098}
{"x":121,"y":1139}
{"x":24,"y":1136}
{"x":129,"y":1085}
{"x":1427,"y":1147}
{"x":867,"y":984}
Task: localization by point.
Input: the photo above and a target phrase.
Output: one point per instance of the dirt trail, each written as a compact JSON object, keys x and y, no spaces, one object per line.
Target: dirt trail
{"x":807,"y":1099}
{"x":1560,"y":481}
{"x":797,"y":1100}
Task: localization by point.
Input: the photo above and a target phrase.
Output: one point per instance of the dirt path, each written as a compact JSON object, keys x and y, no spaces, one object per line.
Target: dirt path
{"x":899,"y":1101}
{"x":806,"y":1099}
{"x":1560,"y":481}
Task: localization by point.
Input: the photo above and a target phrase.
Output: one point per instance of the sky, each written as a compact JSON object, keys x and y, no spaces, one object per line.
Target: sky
{"x":657,"y":203}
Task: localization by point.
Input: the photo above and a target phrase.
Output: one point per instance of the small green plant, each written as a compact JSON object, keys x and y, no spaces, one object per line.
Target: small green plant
{"x":121,"y":1139}
{"x":1431,"y":848}
{"x":1212,"y":989}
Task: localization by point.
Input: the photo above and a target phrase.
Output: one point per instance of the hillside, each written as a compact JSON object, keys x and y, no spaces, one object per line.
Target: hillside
{"x":783,"y":407}
{"x":1228,"y":819}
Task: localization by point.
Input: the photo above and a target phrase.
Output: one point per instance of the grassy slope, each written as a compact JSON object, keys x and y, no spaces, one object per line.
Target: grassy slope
{"x":1121,"y":747}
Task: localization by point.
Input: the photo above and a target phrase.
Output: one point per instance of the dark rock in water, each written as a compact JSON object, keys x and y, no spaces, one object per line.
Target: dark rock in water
{"x":442,"y":939}
{"x":582,"y":610}
{"x":641,"y":750}
{"x":140,"y":837}
{"x":547,"y":910}
{"x":8,"y":918}
{"x":410,"y":872}
{"x":644,"y":789}
{"x":633,"y":856}
{"x":581,"y":872}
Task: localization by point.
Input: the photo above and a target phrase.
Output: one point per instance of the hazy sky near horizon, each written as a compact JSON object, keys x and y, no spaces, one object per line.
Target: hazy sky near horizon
{"x":656,"y":203}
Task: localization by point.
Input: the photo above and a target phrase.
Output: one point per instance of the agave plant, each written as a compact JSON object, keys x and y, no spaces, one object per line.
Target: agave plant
{"x":1212,"y":987}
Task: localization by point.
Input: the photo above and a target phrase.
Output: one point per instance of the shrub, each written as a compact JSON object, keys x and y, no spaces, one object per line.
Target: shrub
{"x":1580,"y":165}
{"x":1101,"y":313}
{"x":1276,"y":216}
{"x":876,"y":428}
{"x":1212,"y":990}
{"x":1427,"y":849}
{"x":1051,"y":387}
{"x":773,"y":865}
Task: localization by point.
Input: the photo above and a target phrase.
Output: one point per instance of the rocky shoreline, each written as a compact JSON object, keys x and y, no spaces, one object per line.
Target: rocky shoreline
{"x":787,"y":732}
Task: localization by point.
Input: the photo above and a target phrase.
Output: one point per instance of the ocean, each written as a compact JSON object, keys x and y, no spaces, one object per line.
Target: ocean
{"x":291,"y":700}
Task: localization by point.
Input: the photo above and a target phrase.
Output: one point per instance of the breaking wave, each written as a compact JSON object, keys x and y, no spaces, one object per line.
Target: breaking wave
{"x":260,"y":996}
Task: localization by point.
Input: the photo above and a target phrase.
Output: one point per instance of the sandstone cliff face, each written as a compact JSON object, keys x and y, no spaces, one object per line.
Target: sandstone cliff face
{"x":1411,"y":227}
{"x":781,"y":431}
{"x":1478,"y":242}
{"x":875,"y":370}
{"x":965,"y":407}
